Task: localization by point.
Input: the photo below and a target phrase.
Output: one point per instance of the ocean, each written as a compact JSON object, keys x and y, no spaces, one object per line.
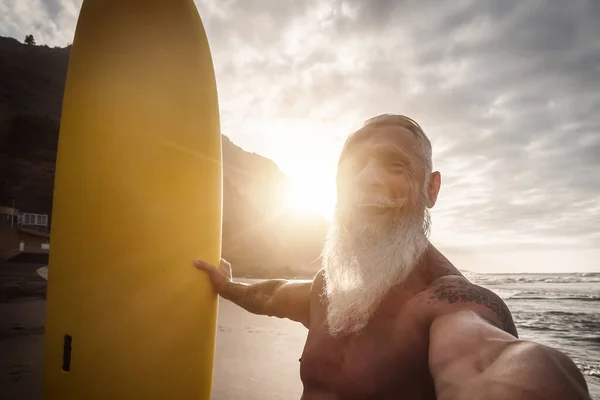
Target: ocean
{"x":558,"y":310}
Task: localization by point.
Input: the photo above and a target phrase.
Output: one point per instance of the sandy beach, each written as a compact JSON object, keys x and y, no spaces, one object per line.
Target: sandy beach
{"x":22,"y":315}
{"x":254,"y":355}
{"x":257,"y":357}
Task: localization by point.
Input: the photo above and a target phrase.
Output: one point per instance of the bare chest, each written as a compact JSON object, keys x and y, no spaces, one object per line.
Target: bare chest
{"x":386,"y":360}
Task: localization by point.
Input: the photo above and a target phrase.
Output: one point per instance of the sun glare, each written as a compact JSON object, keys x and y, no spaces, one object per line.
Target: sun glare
{"x":307,"y":152}
{"x":311,"y":193}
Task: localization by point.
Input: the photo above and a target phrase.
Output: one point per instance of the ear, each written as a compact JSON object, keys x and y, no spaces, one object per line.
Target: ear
{"x":433,"y":190}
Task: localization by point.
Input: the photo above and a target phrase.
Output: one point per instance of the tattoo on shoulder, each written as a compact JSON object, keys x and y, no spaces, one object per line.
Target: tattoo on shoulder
{"x":465,"y":292}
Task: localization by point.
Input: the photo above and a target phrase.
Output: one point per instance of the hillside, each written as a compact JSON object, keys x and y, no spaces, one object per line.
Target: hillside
{"x":260,"y":237}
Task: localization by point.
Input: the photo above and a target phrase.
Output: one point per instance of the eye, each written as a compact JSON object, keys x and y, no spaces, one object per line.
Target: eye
{"x":397,"y":166}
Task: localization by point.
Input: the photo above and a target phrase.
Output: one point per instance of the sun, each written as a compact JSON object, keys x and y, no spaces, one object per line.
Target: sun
{"x":307,"y":152}
{"x":311,"y":192}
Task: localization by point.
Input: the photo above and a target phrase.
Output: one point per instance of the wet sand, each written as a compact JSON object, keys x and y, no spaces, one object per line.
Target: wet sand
{"x":22,"y":315}
{"x":256,"y":357}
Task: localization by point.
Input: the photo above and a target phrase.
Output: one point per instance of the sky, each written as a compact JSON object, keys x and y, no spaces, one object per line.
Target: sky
{"x":508,"y":92}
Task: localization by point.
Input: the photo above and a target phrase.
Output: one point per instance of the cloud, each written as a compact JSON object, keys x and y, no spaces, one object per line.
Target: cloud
{"x":52,"y":22}
{"x":508,"y":91}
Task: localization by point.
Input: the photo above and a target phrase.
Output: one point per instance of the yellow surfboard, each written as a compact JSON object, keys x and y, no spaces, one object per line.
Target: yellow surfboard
{"x":137,"y":198}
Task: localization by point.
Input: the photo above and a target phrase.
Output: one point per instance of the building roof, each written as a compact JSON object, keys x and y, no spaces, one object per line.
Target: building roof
{"x":33,"y":232}
{"x":9,"y":210}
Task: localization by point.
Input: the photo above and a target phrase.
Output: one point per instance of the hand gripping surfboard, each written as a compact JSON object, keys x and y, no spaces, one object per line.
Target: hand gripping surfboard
{"x":137,"y":197}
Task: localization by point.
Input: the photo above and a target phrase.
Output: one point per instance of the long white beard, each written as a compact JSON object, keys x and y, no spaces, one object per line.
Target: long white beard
{"x":361,"y":267}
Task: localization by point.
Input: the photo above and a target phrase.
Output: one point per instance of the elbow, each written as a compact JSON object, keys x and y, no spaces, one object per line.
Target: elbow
{"x":556,"y":375}
{"x":271,"y":308}
{"x":572,"y":377}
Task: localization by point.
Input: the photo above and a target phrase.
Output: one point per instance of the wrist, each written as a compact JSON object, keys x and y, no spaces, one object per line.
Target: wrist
{"x":229,"y":288}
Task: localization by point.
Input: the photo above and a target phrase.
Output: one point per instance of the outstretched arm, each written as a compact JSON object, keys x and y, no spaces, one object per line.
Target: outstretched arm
{"x":469,"y":358}
{"x":273,"y":297}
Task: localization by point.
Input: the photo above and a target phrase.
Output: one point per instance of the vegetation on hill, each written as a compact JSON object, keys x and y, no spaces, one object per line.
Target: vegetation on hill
{"x":260,"y":237}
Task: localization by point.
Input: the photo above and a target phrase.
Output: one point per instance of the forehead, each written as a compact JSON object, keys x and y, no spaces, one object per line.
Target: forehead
{"x":392,"y":137}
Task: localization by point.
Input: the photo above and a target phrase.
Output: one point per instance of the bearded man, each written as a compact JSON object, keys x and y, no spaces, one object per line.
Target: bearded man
{"x":388,"y":316}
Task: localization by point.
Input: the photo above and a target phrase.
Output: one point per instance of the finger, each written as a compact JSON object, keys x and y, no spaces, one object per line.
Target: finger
{"x":201,"y":265}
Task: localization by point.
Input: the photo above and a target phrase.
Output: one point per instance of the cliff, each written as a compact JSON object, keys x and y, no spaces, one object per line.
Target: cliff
{"x":260,"y":237}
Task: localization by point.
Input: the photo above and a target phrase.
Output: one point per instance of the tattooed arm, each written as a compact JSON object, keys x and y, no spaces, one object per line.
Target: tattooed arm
{"x":273,"y":297}
{"x":469,"y":358}
{"x":474,"y":352}
{"x":454,"y":293}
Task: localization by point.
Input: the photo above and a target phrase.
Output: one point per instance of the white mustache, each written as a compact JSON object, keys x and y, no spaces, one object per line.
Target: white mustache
{"x":378,"y":201}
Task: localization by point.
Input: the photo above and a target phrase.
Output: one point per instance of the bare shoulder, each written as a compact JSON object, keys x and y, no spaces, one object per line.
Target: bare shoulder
{"x":318,"y":280}
{"x":317,"y":288}
{"x":450,"y":294}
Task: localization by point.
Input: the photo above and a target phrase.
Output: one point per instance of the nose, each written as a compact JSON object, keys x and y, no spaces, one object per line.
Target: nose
{"x":370,"y":176}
